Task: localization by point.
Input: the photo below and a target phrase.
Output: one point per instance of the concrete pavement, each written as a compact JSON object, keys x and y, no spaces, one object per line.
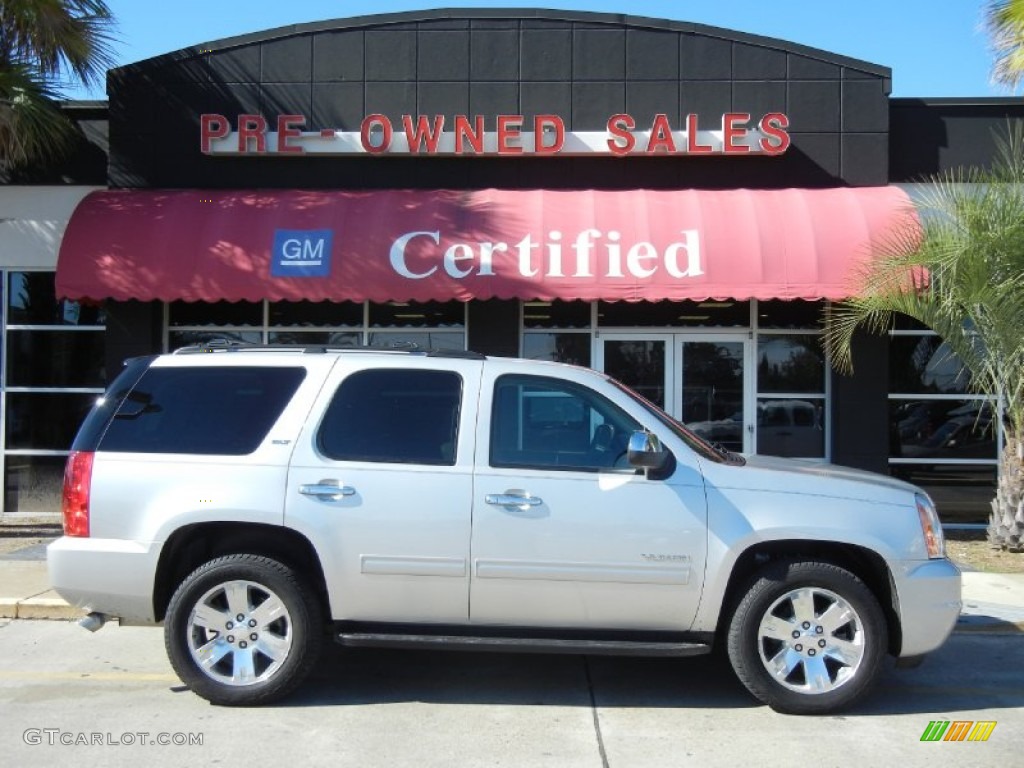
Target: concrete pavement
{"x":993,"y":602}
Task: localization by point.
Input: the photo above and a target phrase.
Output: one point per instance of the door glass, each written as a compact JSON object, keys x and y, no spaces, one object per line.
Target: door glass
{"x":639,"y":364}
{"x":543,"y":423}
{"x":713,"y":391}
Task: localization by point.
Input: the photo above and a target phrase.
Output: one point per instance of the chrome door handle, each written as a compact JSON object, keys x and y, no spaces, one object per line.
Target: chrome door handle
{"x":517,"y":500}
{"x":327,"y":490}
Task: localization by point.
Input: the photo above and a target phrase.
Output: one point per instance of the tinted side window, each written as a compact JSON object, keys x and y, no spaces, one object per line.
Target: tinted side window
{"x":394,"y":415}
{"x":538,"y":422}
{"x":206,"y":410}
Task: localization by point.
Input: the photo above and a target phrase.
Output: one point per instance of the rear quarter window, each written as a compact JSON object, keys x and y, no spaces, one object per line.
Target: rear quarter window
{"x":204,"y":410}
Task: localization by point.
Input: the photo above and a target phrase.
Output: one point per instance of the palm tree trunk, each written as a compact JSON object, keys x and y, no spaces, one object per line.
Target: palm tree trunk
{"x":1006,"y":525}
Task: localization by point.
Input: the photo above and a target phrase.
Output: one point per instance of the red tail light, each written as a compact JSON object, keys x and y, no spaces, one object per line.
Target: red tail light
{"x":75,"y":502}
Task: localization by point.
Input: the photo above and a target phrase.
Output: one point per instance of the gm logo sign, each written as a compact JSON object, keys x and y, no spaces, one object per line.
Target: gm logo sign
{"x":301,"y":253}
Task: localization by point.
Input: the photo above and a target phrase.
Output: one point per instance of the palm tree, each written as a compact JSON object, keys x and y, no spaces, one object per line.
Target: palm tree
{"x":1004,"y":20}
{"x":961,"y":273}
{"x":45,"y":45}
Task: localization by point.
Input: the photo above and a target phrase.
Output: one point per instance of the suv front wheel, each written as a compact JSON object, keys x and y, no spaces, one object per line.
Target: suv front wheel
{"x":807,"y":638}
{"x":243,"y":630}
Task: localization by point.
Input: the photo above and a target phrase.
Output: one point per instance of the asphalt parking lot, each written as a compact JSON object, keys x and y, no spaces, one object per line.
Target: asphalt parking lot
{"x":58,"y":683}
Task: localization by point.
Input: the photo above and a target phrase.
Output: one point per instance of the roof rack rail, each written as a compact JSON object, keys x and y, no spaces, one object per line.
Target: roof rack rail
{"x":233,"y":345}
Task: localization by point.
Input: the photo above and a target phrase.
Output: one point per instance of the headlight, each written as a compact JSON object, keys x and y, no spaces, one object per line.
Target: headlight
{"x":930,"y":526}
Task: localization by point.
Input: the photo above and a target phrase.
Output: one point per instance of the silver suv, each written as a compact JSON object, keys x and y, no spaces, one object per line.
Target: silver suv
{"x":253,"y":500}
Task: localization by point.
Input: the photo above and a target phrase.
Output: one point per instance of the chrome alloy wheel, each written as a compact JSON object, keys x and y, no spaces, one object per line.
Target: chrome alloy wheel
{"x":811,"y":640}
{"x":239,"y":633}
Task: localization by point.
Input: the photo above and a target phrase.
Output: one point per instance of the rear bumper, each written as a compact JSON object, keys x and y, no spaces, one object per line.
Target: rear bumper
{"x":109,"y":576}
{"x":928,"y":601}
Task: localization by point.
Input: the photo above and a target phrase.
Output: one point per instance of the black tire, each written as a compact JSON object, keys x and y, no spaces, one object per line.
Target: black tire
{"x":823,"y":661}
{"x":257,"y":660}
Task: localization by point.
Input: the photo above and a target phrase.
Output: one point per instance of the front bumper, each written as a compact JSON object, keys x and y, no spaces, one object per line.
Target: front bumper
{"x":109,"y":576}
{"x":928,"y":602}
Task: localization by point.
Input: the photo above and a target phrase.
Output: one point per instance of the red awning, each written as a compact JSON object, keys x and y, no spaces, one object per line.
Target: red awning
{"x":419,"y":245}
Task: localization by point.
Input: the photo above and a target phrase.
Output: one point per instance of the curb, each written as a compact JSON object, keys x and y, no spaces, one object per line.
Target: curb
{"x":39,"y":608}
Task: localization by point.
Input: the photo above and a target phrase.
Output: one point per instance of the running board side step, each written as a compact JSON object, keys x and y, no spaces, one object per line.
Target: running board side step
{"x":521,"y":645}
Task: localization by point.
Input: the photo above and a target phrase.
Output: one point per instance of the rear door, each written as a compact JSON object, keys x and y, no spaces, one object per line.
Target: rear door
{"x":382,"y":481}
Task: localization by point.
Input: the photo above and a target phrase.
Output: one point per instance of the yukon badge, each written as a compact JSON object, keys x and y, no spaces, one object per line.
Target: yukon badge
{"x":666,"y":558}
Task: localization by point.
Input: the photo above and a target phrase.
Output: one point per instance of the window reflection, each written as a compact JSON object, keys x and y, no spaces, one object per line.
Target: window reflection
{"x":924,"y":365}
{"x":792,"y":428}
{"x":32,"y":300}
{"x":962,"y":492}
{"x":941,"y":429}
{"x":640,"y":365}
{"x":572,"y":348}
{"x":790,"y":364}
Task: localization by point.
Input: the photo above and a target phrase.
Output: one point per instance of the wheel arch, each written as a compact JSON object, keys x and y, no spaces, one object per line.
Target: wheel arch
{"x":192,"y":545}
{"x":867,"y":565}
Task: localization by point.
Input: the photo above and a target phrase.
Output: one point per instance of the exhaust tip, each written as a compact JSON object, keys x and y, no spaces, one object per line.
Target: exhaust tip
{"x":93,"y":622}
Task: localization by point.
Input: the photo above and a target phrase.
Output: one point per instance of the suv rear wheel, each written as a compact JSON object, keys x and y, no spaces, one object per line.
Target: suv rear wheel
{"x":243,"y":630}
{"x":807,"y":638}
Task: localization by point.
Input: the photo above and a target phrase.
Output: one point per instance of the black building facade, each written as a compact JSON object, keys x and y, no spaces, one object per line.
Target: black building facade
{"x":574,"y":99}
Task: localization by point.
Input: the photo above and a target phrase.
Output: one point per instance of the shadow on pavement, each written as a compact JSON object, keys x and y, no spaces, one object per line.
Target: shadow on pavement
{"x":962,"y":676}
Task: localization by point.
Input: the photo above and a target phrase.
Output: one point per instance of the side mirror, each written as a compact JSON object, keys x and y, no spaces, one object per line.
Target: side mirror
{"x":645,"y":451}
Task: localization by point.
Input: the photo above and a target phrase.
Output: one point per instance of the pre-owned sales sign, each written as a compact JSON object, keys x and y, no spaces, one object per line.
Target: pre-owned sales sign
{"x":733,"y":133}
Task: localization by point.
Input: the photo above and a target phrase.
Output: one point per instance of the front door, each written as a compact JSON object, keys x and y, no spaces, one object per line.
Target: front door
{"x":565,"y":532}
{"x":701,"y":379}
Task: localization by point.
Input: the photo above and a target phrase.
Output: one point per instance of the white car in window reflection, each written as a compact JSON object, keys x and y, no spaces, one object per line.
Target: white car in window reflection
{"x":789,"y":428}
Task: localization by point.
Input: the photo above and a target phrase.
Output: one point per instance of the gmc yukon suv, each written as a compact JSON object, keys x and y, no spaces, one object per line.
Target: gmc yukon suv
{"x":258,"y":500}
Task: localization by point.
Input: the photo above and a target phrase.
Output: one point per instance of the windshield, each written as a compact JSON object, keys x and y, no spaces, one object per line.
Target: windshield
{"x":702,"y":447}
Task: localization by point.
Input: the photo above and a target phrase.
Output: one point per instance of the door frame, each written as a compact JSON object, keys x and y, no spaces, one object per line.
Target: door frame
{"x":674,"y":341}
{"x":749,"y":399}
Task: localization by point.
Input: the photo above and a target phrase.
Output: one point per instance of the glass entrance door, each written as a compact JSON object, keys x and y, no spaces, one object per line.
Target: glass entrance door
{"x":642,"y":363}
{"x":712,"y":389}
{"x":701,"y":379}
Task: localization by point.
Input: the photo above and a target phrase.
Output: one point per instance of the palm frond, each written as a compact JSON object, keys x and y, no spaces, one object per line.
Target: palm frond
{"x":1004,"y":21}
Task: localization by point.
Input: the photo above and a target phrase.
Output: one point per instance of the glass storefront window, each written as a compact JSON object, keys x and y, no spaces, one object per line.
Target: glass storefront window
{"x":45,"y":420}
{"x":556,"y":314}
{"x":790,"y":314}
{"x":673,"y":314}
{"x":573,"y":348}
{"x":427,"y":314}
{"x":341,"y":314}
{"x":424,"y":325}
{"x":775,"y":403}
{"x":179,"y":339}
{"x":54,"y":367}
{"x":923,"y":364}
{"x":790,"y":364}
{"x":962,"y":493}
{"x":447,"y":340}
{"x":317,"y":338}
{"x":941,"y":429}
{"x":940,"y":436}
{"x":32,"y":300}
{"x":791,"y":427}
{"x":55,"y":358}
{"x":641,"y":363}
{"x":186,"y":313}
